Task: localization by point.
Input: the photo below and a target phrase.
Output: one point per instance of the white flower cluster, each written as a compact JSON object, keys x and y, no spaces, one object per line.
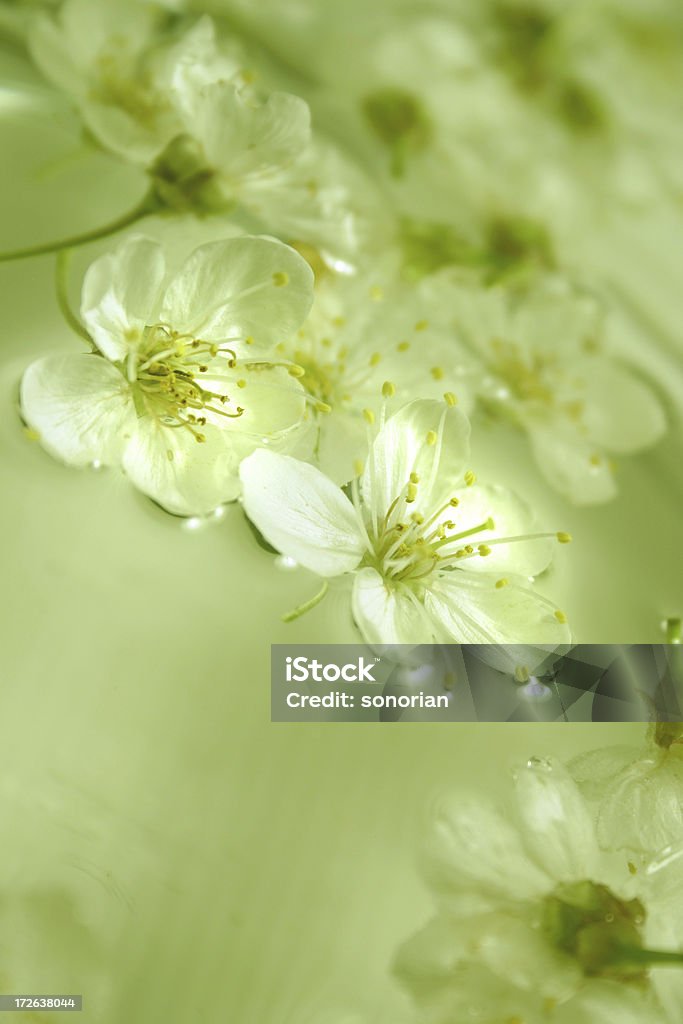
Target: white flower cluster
{"x":545,"y":915}
{"x":399,"y":253}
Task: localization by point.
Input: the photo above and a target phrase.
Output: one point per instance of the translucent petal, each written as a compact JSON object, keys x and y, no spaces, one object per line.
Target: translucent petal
{"x":81,"y":406}
{"x":238,"y":289}
{"x":301,"y":513}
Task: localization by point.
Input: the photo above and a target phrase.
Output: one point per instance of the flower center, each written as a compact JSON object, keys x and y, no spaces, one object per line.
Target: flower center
{"x":125,"y":82}
{"x":600,"y":930}
{"x":166,"y":369}
{"x":407,"y":545}
{"x":525,"y":374}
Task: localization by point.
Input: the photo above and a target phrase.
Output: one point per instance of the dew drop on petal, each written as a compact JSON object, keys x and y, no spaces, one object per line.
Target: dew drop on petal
{"x":539,"y":764}
{"x":96,"y":464}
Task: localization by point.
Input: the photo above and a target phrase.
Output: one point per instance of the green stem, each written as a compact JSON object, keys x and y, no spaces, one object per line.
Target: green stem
{"x":62,"y":291}
{"x":149,"y":204}
{"x":649,"y":957}
{"x":306,"y":607}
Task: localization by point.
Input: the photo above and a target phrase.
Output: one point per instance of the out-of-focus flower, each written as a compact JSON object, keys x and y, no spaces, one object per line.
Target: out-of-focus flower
{"x":111,"y":58}
{"x":361,"y":331}
{"x":538,"y":361}
{"x":534,"y":923}
{"x":182,"y":383}
{"x":432,"y":556}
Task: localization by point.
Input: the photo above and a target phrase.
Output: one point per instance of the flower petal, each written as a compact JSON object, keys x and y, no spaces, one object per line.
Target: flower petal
{"x":80,"y":405}
{"x":512,"y":518}
{"x":571,"y":465}
{"x":620,"y":412}
{"x":642,"y":809}
{"x":472,"y":847}
{"x":469,"y":608}
{"x":607,"y":1002}
{"x":388,"y":615}
{"x":403,"y":446}
{"x":121,"y":294}
{"x":556,"y":824}
{"x":301,"y":513}
{"x":240,"y":288}
{"x":241,"y":136}
{"x":193,"y":479}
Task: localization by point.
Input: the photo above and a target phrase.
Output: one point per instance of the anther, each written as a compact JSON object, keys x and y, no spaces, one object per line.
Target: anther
{"x":450,"y":399}
{"x":501,"y":583}
{"x":560,"y":616}
{"x":436,"y":372}
{"x":421,"y":325}
{"x":323,"y":407}
{"x":375,"y":358}
{"x":484,"y":550}
{"x":280,"y":279}
{"x":564,"y":538}
{"x":414,"y":478}
{"x":411,"y":494}
{"x":388,"y":389}
{"x":296,"y":371}
{"x":241,"y":383}
{"x":403,"y":346}
{"x":454,"y":502}
{"x":432,"y":437}
{"x":469,"y":478}
{"x":369,"y":416}
{"x":358,"y":467}
{"x":417,"y":518}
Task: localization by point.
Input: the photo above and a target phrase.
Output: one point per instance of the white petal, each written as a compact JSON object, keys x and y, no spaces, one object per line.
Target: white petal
{"x":472,"y":846}
{"x":387,"y":615}
{"x":273,"y":403}
{"x":470,"y":609}
{"x":594,"y":771}
{"x":573,"y":466}
{"x":512,"y":518}
{"x":241,"y":136}
{"x":194,"y":479}
{"x":401,"y":448}
{"x":80,"y":405}
{"x":121,"y":292}
{"x":301,"y":513}
{"x":621,"y":413}
{"x":605,"y":1002}
{"x":642,"y":809}
{"x":240,"y":288}
{"x":556,"y":824}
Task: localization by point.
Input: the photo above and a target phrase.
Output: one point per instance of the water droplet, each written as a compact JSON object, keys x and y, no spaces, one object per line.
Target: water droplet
{"x":219,"y":512}
{"x":539,"y":764}
{"x":193,"y":523}
{"x":96,"y":464}
{"x":286,"y":563}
